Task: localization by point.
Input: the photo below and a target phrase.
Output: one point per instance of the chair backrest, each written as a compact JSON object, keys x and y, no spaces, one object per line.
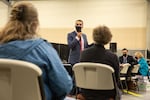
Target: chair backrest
{"x":135,"y":68}
{"x":94,"y":76}
{"x":19,"y":80}
{"x":125,"y":68}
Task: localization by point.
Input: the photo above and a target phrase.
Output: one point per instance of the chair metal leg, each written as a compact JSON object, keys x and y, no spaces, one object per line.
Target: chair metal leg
{"x":148,"y":76}
{"x":121,"y":85}
{"x":126,"y":85}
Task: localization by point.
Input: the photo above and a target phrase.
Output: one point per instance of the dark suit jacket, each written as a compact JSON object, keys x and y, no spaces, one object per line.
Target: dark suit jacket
{"x":98,"y":54}
{"x":74,"y":45}
{"x":130,"y":60}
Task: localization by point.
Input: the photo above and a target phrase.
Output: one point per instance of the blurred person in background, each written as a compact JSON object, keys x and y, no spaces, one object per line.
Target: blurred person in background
{"x":143,"y":70}
{"x":126,"y":58}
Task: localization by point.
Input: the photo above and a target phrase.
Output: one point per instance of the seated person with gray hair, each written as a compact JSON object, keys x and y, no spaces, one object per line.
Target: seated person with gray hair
{"x":98,"y":54}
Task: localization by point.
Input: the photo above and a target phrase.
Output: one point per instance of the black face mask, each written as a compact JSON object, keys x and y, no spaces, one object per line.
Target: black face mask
{"x":78,"y":28}
{"x":136,"y":58}
{"x":124,"y":55}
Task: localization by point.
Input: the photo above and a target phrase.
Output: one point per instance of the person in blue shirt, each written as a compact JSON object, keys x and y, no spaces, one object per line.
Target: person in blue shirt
{"x":143,"y":70}
{"x":19,"y":40}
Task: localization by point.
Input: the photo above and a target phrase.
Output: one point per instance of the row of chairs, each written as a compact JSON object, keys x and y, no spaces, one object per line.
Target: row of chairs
{"x":133,"y":76}
{"x":124,"y":76}
{"x":100,"y":76}
{"x":20,"y":80}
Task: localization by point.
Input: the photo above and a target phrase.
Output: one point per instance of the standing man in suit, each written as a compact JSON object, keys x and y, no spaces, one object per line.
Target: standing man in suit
{"x":77,"y":42}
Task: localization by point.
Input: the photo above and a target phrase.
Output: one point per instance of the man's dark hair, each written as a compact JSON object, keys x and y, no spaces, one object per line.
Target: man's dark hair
{"x":80,"y":20}
{"x":124,"y":49}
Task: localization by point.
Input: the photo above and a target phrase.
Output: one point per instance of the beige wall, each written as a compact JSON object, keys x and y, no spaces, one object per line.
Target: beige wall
{"x":3,"y":14}
{"x":127,"y":19}
{"x":132,"y":38}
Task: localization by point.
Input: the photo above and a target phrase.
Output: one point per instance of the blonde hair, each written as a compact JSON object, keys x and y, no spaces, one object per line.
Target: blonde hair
{"x":22,"y":24}
{"x":138,"y":54}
